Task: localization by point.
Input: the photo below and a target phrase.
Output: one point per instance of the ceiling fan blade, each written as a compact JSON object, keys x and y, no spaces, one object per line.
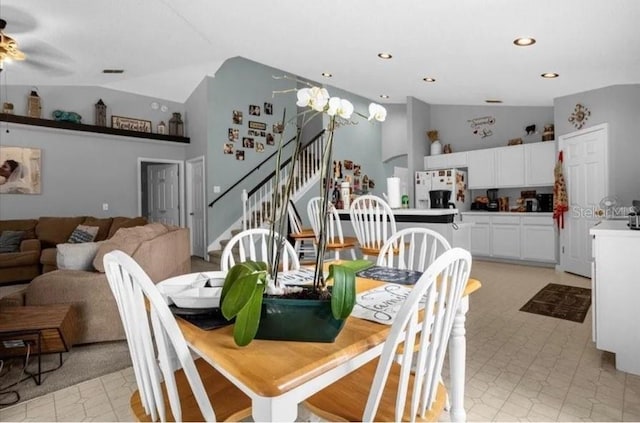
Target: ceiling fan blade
{"x":18,"y":21}
{"x":52,"y":69}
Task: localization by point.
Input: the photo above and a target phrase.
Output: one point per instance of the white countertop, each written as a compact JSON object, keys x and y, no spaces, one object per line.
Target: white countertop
{"x":484,"y":212}
{"x":416,"y":212}
{"x":614,"y":227}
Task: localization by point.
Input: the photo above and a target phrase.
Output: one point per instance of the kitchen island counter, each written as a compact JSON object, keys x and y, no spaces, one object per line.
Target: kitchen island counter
{"x":416,"y":215}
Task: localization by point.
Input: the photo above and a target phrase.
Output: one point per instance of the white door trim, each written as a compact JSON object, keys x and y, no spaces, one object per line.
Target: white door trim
{"x":180,"y":164}
{"x":189,"y":194}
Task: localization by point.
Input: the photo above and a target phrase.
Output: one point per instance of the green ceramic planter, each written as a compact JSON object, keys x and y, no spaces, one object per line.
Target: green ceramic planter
{"x":303,"y":320}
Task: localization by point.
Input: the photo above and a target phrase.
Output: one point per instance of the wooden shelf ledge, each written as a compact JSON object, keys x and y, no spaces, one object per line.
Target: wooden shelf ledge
{"x":48,"y":123}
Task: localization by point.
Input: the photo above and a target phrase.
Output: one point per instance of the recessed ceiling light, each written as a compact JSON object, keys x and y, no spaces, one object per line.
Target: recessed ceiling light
{"x":385,"y":55}
{"x":493,"y":101}
{"x":327,"y":74}
{"x":113,"y":71}
{"x":384,"y":96}
{"x":549,"y":75}
{"x":524,"y":41}
{"x":429,"y":79}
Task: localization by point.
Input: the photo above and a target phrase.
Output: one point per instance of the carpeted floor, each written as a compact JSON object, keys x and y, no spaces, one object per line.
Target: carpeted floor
{"x":560,"y":301}
{"x":84,"y":362}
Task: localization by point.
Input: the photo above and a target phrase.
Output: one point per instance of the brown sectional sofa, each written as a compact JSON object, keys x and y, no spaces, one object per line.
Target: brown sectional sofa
{"x":38,"y":248}
{"x":162,"y":251}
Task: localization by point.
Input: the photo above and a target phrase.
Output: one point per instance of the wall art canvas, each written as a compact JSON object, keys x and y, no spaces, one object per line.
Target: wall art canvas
{"x":20,"y":170}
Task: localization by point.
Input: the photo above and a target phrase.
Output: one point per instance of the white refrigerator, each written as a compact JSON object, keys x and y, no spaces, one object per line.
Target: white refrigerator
{"x":454,"y":180}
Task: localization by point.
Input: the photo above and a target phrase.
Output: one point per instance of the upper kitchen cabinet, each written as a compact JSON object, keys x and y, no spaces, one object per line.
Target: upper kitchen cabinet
{"x":446,"y":161}
{"x":481,"y":168}
{"x":539,"y":163}
{"x":509,"y":166}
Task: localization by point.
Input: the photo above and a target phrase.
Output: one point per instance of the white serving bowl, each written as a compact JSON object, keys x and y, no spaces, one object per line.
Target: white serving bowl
{"x":172,"y":286}
{"x":198,"y":298}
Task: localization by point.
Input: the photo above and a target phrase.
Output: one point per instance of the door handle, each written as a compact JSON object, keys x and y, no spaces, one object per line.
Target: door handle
{"x":191,"y":214}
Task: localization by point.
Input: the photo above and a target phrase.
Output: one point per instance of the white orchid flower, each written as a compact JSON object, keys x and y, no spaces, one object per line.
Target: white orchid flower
{"x":314,"y":97}
{"x":341,"y":107}
{"x":377,"y":112}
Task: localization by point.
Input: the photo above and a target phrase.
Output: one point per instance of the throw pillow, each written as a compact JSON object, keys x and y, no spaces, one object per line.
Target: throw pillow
{"x":83,"y":233}
{"x":77,"y":256}
{"x":10,"y":241}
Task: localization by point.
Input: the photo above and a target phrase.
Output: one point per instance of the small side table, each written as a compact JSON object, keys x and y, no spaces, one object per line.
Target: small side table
{"x":46,"y":329}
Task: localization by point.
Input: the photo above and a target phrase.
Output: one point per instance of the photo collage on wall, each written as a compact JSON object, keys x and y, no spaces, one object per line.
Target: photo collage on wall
{"x":348,"y":171}
{"x":256,"y":135}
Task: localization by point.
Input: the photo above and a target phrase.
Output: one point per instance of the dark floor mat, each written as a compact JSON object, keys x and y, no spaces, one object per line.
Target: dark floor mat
{"x":560,"y":301}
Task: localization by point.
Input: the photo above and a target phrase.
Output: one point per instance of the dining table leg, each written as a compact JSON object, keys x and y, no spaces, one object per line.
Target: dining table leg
{"x":266,"y":409}
{"x":457,"y":362}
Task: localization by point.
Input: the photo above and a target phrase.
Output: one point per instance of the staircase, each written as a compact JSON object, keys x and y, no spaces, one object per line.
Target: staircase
{"x":257,"y":204}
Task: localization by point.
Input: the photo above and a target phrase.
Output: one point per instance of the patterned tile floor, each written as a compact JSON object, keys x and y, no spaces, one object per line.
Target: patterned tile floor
{"x":520,"y":366}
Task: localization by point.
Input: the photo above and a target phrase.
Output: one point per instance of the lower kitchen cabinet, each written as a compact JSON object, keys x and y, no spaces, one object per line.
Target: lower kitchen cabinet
{"x":526,"y":237}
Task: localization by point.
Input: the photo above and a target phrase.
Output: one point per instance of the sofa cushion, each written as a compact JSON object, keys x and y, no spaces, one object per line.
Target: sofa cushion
{"x":52,"y":231}
{"x":10,"y":241}
{"x":128,"y":240}
{"x":9,"y":260}
{"x":77,"y":256}
{"x":125,"y":222}
{"x":27,"y":225}
{"x":103,"y":226}
{"x":83,"y":233}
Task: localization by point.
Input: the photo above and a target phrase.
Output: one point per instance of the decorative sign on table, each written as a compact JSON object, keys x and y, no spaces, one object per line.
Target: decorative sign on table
{"x":130,"y":124}
{"x":390,"y":274}
{"x":382,"y":304}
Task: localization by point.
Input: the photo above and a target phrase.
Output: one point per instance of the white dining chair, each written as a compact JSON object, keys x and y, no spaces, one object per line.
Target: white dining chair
{"x":253,"y":244}
{"x":373,"y":223}
{"x":335,"y":240}
{"x":304,"y":238}
{"x":412,"y":248}
{"x":156,"y":345}
{"x":411,"y":389}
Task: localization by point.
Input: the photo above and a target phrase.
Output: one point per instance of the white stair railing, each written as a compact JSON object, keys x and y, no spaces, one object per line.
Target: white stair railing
{"x":258,"y":208}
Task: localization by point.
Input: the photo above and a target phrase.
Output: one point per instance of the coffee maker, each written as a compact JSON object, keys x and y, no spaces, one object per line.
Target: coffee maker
{"x":545,"y":202}
{"x":493,"y":204}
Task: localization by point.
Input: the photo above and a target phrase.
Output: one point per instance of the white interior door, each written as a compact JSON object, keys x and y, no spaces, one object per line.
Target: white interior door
{"x":587,"y":178}
{"x":164,"y":194}
{"x":196,"y":217}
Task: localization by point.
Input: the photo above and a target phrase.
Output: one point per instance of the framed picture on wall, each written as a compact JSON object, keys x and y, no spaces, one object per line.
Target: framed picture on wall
{"x":228,"y":148}
{"x":237,"y":117}
{"x":20,"y":170}
{"x":268,"y":108}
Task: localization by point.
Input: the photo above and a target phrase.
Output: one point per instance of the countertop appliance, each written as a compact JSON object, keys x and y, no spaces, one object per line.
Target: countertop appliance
{"x":634,"y":221}
{"x":439,"y":198}
{"x":545,"y":202}
{"x":493,"y":204}
{"x":452,"y":180}
{"x":531,"y":204}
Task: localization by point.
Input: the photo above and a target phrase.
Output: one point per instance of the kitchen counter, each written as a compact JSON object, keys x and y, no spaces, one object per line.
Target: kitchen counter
{"x":416,"y":215}
{"x":483,"y":212}
{"x":614,"y":227}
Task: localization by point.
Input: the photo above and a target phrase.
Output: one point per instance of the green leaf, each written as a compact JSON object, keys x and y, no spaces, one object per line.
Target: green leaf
{"x":343,"y":292}
{"x":248,"y":319}
{"x":238,"y":271}
{"x":239,"y":294}
{"x":357,"y":265}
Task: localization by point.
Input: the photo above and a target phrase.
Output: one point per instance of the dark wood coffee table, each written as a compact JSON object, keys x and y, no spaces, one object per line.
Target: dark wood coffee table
{"x":42,"y":330}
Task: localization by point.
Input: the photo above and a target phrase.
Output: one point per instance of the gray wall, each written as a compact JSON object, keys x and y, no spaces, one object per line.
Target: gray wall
{"x":418,"y":122}
{"x":394,"y":132}
{"x":453,"y":127}
{"x":197,"y":108}
{"x":81,"y":171}
{"x":619,"y":106}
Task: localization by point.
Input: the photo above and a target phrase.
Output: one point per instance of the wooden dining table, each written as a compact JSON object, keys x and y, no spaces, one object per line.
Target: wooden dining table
{"x":279,"y":375}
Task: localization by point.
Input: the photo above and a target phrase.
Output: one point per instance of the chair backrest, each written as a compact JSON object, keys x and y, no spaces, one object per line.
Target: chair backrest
{"x":253,"y":244}
{"x":373,"y":221}
{"x":294,"y":218}
{"x":131,"y":286}
{"x":441,"y":288}
{"x":412,"y":248}
{"x":334,"y":228}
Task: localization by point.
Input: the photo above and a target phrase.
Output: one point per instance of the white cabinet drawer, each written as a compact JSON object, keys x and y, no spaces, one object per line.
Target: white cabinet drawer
{"x":537,"y":220}
{"x":476,"y":219}
{"x":505,"y":220}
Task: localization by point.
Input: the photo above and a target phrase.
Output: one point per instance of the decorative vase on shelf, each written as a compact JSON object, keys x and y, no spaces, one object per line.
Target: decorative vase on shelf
{"x":176,"y":126}
{"x":436,"y":148}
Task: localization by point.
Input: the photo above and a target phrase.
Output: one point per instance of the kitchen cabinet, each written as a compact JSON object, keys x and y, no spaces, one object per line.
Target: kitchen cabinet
{"x":481,"y":168}
{"x":527,"y":237}
{"x":446,"y":161}
{"x":539,"y":163}
{"x":616,"y":293}
{"x":510,"y":166}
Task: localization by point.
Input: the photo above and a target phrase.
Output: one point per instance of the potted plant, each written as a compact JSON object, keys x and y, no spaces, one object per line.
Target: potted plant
{"x":252,"y":293}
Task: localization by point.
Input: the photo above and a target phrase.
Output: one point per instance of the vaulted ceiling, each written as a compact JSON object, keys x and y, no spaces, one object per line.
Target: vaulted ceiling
{"x":166,"y":47}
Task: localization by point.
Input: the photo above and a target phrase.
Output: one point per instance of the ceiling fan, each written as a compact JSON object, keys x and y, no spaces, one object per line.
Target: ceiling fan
{"x":8,"y":46}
